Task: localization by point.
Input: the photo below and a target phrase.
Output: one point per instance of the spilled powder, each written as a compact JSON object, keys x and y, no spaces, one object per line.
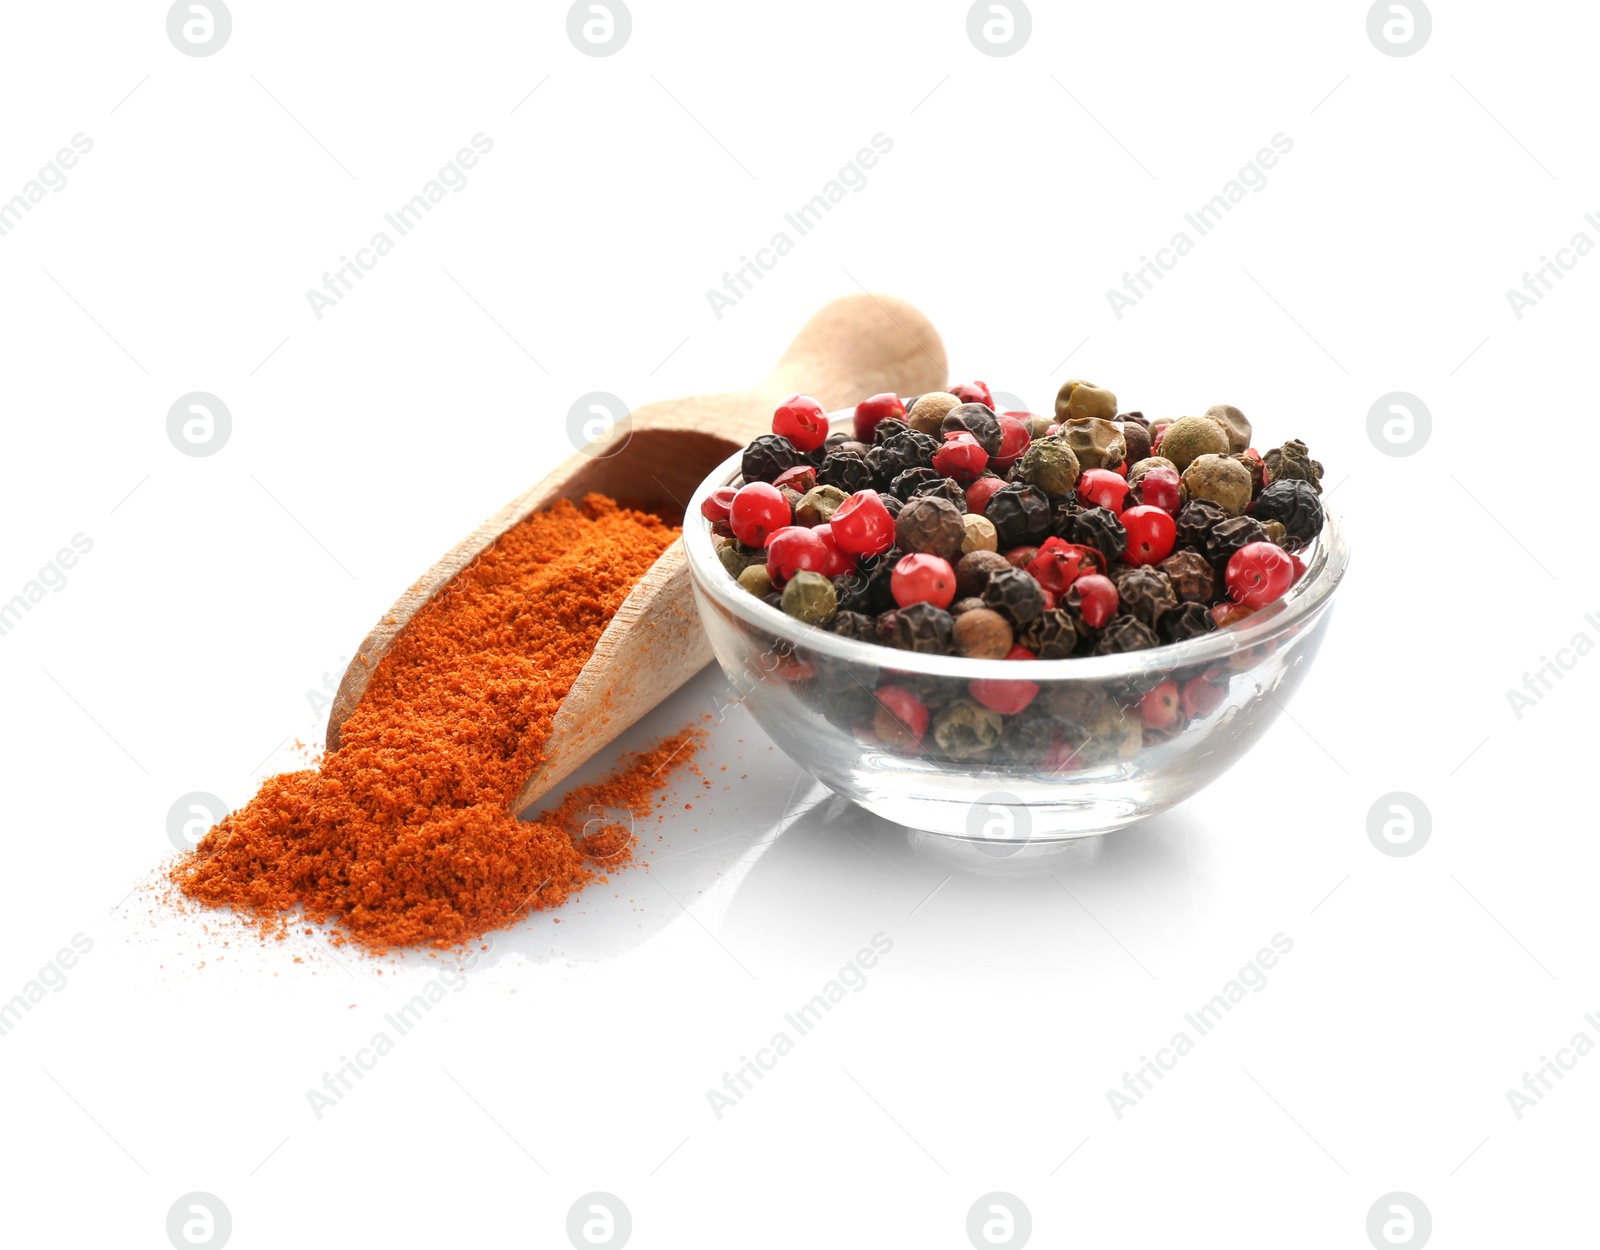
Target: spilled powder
{"x":403,"y":835}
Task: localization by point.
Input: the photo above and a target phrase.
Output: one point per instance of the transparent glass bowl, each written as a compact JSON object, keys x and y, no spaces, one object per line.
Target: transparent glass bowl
{"x":1078,"y":761}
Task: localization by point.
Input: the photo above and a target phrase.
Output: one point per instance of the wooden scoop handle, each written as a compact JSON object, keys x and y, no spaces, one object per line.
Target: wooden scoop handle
{"x":857,"y":346}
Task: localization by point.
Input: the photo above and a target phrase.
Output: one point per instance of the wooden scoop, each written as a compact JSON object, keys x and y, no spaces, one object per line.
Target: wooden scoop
{"x":855,"y":347}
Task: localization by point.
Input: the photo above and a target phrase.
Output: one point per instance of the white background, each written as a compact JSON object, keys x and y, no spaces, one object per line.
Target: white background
{"x":222,"y":593}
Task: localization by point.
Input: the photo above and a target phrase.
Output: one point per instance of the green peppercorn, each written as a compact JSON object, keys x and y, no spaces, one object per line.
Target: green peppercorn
{"x":1078,"y":399}
{"x":1234,"y":423}
{"x":1051,"y":465}
{"x":1220,"y":479}
{"x":1277,"y":534}
{"x":1188,"y":437}
{"x":736,"y":557}
{"x":817,"y":505}
{"x":756,"y":580}
{"x":810,"y":597}
{"x":966,"y":729}
{"x":1096,"y":443}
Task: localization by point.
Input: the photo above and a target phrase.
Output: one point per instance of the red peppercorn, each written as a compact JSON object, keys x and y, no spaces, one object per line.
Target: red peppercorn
{"x":1159,"y":707}
{"x":1096,"y":596}
{"x":840,"y":562}
{"x":1015,"y":436}
{"x":902,"y":718}
{"x":862,"y":526}
{"x":1020,"y":557}
{"x":799,"y":479}
{"x":801,"y":420}
{"x":1103,"y":488}
{"x":1058,"y":564}
{"x":961,"y":457}
{"x":794,"y":549}
{"x":717,"y":503}
{"x":871,"y":411}
{"x":973,"y":393}
{"x":758,"y":508}
{"x":1160,"y":487}
{"x":1225,"y":614}
{"x":1005,"y":696}
{"x":980,"y":492}
{"x":1202,"y":695}
{"x":1258,"y":573}
{"x":920,"y":578}
{"x":1151,"y":534}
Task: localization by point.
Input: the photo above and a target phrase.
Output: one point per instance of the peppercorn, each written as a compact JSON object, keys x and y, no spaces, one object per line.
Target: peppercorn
{"x":837,"y":439}
{"x":1141,"y":467}
{"x":1226,"y":537}
{"x":1256,"y":469}
{"x":736,"y":557}
{"x":906,"y":450}
{"x":973,"y":569}
{"x":1221,"y":480}
{"x":979,"y":534}
{"x":982,"y":634}
{"x":1099,"y":528}
{"x":891,"y":504}
{"x":848,"y":704}
{"x":1051,"y":465}
{"x":945,"y":488}
{"x":1020,"y":557}
{"x":767,"y":456}
{"x":845,"y":469}
{"x":1039,"y":427}
{"x":907,"y":483}
{"x":1097,"y":444}
{"x":1020,"y":513}
{"x":1192,"y":578}
{"x":1188,"y":437}
{"x":756,"y":580}
{"x":931,"y":525}
{"x":1195,"y":521}
{"x":1187,"y":620}
{"x":775,"y":600}
{"x":928,"y":413}
{"x":921,"y":627}
{"x":809,"y":597}
{"x":867,"y":589}
{"x":1078,"y":399}
{"x":1051,"y":635}
{"x":1276,"y":533}
{"x":1146,"y":593}
{"x":1014,"y":594}
{"x":1136,"y":437}
{"x":1125,"y":633}
{"x":887,"y":429}
{"x":1097,"y":727}
{"x":977,"y":420}
{"x":817,"y":505}
{"x":1027,"y":737}
{"x":856,"y":625}
{"x":962,"y":606}
{"x":1293,"y":503}
{"x":1234,"y":424}
{"x":965,"y":729}
{"x":1293,"y":460}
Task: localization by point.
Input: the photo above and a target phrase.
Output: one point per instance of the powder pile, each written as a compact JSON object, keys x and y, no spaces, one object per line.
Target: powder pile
{"x":403,"y":835}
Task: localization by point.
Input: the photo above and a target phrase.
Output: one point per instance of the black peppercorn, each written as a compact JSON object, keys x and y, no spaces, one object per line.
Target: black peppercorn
{"x":931,"y":525}
{"x":1020,"y":514}
{"x":1228,"y":536}
{"x":1293,"y":460}
{"x":1187,"y":620}
{"x":1195,"y":520}
{"x":1027,"y":737}
{"x":891,"y":504}
{"x":849,"y":624}
{"x":768,"y":456}
{"x":1015,"y":595}
{"x":1145,"y":593}
{"x":1293,"y":503}
{"x":887,"y":429}
{"x":977,"y":420}
{"x":1191,"y":576}
{"x":1100,"y":529}
{"x":922,"y":628}
{"x":836,"y":438}
{"x":1065,"y":516}
{"x":905,"y":484}
{"x":1051,"y":635}
{"x":944,"y":488}
{"x":899,"y":452}
{"x":1125,"y":633}
{"x":867,"y":589}
{"x":845,"y":469}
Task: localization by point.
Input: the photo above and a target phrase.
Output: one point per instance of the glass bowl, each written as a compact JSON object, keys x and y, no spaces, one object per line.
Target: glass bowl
{"x":1078,"y":761}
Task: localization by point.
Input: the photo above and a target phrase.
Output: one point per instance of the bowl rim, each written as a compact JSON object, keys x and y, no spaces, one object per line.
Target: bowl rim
{"x":1325,"y":569}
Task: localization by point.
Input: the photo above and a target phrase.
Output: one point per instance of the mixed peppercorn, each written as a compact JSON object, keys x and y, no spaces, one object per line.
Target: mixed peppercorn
{"x":940,"y":526}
